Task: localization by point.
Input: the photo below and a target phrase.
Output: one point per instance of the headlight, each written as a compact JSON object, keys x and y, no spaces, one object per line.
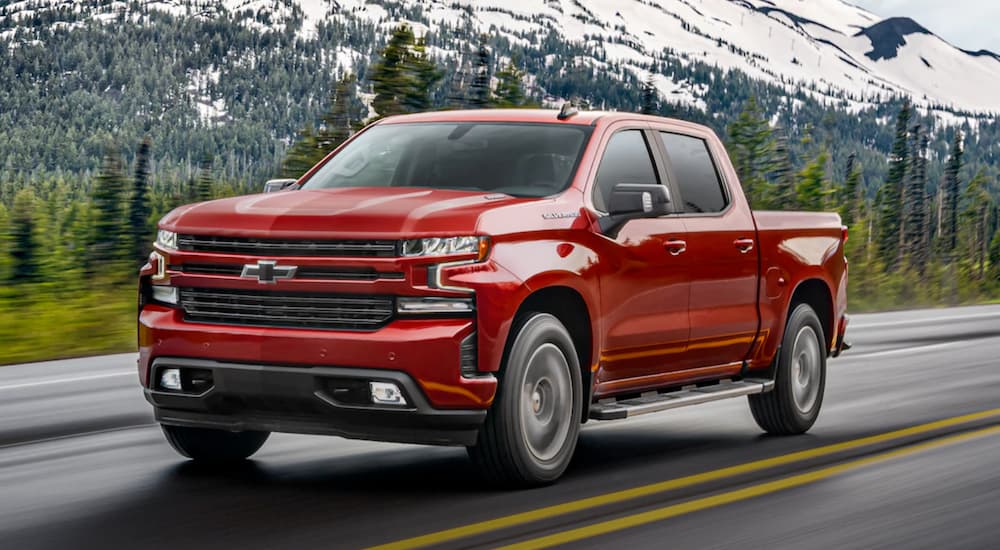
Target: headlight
{"x":166,"y":294}
{"x":447,"y":246}
{"x":166,"y":239}
{"x":428,"y":305}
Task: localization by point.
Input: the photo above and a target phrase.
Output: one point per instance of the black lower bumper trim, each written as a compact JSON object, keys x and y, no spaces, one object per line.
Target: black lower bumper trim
{"x":303,"y":400}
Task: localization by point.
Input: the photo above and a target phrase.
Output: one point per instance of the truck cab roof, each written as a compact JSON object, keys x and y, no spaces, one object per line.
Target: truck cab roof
{"x":581,"y":118}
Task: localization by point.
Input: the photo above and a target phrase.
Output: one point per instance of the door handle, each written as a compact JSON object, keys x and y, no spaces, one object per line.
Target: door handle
{"x":676,"y":248}
{"x":743,"y":245}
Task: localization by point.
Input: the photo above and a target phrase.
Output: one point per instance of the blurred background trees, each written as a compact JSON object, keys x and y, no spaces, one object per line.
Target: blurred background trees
{"x":80,"y":195}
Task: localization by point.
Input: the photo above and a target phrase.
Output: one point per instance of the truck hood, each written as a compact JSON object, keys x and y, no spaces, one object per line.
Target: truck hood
{"x":360,"y":212}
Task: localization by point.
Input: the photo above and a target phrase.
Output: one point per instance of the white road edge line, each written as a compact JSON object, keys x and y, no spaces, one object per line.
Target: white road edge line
{"x":67,"y":380}
{"x":902,"y":351}
{"x":925,"y":321}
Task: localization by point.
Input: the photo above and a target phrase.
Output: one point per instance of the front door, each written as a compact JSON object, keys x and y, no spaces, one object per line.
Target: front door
{"x":644,"y":287}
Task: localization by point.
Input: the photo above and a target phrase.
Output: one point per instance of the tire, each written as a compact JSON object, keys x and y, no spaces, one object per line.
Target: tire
{"x":213,"y":446}
{"x":800,"y":378}
{"x":531,"y":430}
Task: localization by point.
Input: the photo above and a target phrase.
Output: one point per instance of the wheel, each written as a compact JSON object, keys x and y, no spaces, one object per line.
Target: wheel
{"x":213,"y":446}
{"x":530,"y":433}
{"x":800,"y":378}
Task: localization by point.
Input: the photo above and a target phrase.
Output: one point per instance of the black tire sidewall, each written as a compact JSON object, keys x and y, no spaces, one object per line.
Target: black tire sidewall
{"x":536,"y":330}
{"x":803,"y":315}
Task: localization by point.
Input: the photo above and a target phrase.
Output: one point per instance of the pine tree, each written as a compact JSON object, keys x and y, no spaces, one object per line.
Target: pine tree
{"x":510,"y":87}
{"x":650,"y":97}
{"x":203,"y":185}
{"x":337,"y":125}
{"x":480,"y":92}
{"x":752,"y":150}
{"x":461,"y":79}
{"x":914,"y":229}
{"x":783,"y":194}
{"x":24,"y":249}
{"x":995,"y":254}
{"x":389,"y":77}
{"x":975,"y":215}
{"x":404,"y":77}
{"x":459,"y":84}
{"x":950,"y":196}
{"x":139,"y":208}
{"x":301,"y":156}
{"x":109,"y":205}
{"x":812,"y":184}
{"x":891,"y":193}
{"x":850,"y":200}
{"x":424,"y":76}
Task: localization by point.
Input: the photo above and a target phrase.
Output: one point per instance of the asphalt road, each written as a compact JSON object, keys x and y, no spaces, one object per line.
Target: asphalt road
{"x":83,"y":466}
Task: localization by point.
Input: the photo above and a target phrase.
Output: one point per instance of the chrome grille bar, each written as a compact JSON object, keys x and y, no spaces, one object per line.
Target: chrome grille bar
{"x":288,"y":247}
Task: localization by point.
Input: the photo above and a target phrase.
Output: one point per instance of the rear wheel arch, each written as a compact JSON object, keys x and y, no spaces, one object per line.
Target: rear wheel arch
{"x":816,"y":294}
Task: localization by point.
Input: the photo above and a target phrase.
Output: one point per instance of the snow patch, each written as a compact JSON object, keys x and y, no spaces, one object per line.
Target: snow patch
{"x":200,"y":87}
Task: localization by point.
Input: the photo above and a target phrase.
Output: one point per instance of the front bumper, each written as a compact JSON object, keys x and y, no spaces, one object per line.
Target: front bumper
{"x":427,"y":351}
{"x":305,"y":400}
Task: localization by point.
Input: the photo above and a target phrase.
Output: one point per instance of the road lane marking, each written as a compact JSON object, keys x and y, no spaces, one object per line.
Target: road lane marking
{"x":924,"y":321}
{"x":904,"y":351}
{"x":667,"y":512}
{"x":677,"y":483}
{"x":67,"y":380}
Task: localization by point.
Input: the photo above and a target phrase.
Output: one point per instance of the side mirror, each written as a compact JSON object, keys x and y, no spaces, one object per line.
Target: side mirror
{"x":630,"y":201}
{"x":272,"y":186}
{"x":639,"y":200}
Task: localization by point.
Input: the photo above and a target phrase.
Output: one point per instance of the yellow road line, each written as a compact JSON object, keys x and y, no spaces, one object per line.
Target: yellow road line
{"x":675,"y":510}
{"x":674,"y":484}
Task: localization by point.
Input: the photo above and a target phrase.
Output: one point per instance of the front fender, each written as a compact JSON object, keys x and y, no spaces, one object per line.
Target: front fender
{"x":515,"y":271}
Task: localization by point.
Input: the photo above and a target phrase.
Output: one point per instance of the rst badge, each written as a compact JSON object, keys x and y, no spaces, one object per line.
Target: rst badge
{"x":267,"y":272}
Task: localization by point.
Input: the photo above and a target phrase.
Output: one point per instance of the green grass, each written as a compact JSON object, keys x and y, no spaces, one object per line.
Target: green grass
{"x":42,"y":322}
{"x":47,"y":321}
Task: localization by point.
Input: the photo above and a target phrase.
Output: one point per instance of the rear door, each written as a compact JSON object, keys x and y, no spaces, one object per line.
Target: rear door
{"x":644,"y":288}
{"x":722,"y":253}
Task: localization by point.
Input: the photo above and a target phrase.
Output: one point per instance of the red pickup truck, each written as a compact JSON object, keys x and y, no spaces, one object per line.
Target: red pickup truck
{"x":490,"y":279}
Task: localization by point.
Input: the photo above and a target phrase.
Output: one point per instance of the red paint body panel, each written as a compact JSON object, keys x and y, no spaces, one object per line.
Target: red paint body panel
{"x":656,"y":320}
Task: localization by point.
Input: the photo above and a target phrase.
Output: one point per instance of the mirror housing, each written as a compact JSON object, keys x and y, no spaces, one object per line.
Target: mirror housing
{"x":272,"y":186}
{"x":632,"y":201}
{"x":639,"y":200}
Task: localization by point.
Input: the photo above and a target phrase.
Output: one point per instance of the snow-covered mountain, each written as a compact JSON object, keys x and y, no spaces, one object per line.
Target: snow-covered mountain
{"x":831,"y":50}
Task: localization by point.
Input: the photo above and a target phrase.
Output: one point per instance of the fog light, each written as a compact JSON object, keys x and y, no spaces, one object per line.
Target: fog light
{"x":386,"y":393}
{"x":170,"y":379}
{"x":165,"y":294}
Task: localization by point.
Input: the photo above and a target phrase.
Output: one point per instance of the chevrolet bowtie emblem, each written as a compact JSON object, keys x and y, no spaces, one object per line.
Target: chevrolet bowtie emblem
{"x":267,"y":272}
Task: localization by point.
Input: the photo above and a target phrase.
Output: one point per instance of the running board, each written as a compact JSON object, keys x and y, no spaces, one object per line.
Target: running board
{"x":654,"y":401}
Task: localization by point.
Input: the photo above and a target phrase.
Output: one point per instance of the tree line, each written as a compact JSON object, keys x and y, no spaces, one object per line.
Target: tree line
{"x":915,"y":241}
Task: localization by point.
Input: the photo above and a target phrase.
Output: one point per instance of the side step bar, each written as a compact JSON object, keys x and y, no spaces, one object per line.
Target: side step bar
{"x":654,"y":401}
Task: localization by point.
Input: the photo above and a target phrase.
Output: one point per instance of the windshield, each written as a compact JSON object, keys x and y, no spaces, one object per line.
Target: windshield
{"x":524,"y":160}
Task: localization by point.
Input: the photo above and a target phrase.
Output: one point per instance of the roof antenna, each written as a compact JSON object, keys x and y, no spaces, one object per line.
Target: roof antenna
{"x":568,"y":110}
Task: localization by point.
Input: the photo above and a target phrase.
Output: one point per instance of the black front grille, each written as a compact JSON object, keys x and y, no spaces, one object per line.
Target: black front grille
{"x":302,"y":272}
{"x":287,"y":247}
{"x":286,"y":309}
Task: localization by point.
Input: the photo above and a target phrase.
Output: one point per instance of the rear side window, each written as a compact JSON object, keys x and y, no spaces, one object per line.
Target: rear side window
{"x":626,"y":160}
{"x":700,"y":186}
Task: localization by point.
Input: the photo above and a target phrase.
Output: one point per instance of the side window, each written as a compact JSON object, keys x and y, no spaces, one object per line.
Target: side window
{"x":698,"y":180}
{"x":626,"y":160}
